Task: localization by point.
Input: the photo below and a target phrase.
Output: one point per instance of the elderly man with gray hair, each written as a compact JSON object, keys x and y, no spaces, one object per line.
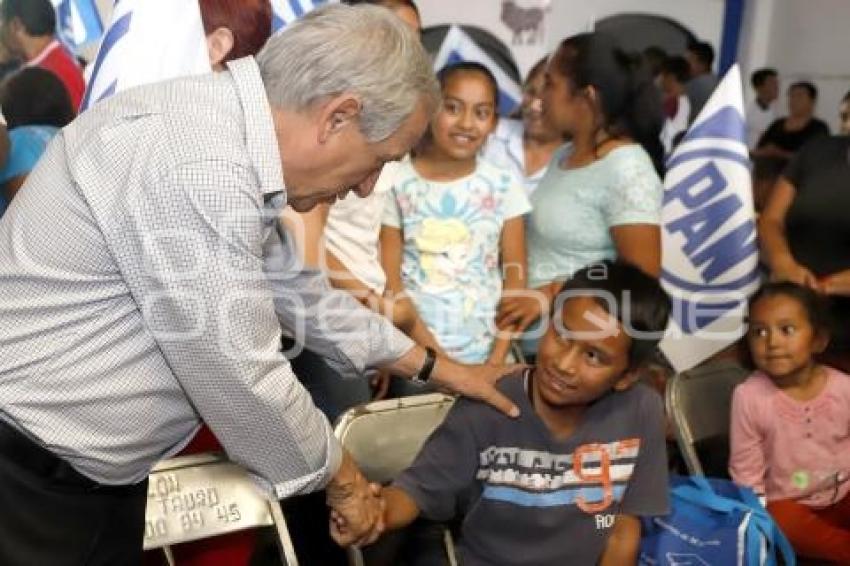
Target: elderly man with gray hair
{"x":145,"y":278}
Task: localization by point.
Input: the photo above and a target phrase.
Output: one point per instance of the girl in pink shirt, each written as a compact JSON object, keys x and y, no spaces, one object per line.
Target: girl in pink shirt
{"x":790,"y":433}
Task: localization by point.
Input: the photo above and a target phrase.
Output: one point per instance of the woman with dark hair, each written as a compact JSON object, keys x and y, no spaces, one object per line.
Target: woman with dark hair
{"x":35,"y":104}
{"x":526,"y":146}
{"x":601,"y":196}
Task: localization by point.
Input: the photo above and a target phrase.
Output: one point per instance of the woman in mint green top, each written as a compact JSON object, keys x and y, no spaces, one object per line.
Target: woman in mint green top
{"x":601,"y":196}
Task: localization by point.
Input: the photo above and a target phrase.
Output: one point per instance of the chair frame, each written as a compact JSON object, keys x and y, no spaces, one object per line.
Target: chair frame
{"x":167,"y":469}
{"x":681,"y":426}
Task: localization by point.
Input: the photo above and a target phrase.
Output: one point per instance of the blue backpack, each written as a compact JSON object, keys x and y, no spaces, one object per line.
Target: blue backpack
{"x":713,"y":522}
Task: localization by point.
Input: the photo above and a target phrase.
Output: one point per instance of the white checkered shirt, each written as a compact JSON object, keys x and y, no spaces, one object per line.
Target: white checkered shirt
{"x":140,"y":269}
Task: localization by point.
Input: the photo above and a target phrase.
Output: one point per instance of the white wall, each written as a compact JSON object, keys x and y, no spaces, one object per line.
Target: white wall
{"x":567,"y":17}
{"x":803,"y":41}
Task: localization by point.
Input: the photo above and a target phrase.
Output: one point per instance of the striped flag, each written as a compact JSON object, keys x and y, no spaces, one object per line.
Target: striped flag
{"x":78,"y":22}
{"x":148,"y":41}
{"x":285,"y":12}
{"x":709,"y":252}
{"x":458,"y":46}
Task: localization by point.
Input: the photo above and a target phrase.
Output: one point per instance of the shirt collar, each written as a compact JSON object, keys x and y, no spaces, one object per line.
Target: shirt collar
{"x":37,"y":60}
{"x":259,"y":126}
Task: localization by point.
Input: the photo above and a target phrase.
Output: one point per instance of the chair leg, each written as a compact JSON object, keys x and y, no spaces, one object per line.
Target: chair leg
{"x":284,"y":540}
{"x":169,"y":555}
{"x":450,"y":547}
{"x":355,"y":557}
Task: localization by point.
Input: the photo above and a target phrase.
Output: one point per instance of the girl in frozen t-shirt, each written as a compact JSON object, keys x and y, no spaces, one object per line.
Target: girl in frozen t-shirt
{"x":453,"y":236}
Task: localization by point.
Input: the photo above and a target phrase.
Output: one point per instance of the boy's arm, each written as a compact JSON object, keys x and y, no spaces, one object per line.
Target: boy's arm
{"x":623,"y":542}
{"x":400,"y":510}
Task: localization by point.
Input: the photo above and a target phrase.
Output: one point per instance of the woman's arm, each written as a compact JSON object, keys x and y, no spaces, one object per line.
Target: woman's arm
{"x":774,"y":244}
{"x":623,"y":543}
{"x":514,"y":268}
{"x":639,"y":244}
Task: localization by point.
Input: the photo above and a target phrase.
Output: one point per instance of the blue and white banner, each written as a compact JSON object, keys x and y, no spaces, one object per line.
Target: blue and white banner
{"x":148,"y":41}
{"x":78,"y":22}
{"x":286,"y":11}
{"x":709,"y":250}
{"x":458,"y":46}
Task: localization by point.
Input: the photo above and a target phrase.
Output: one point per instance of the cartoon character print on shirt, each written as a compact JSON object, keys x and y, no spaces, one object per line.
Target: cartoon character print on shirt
{"x":451,"y":266}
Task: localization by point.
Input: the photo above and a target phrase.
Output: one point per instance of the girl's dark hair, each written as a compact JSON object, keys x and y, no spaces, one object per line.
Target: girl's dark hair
{"x":815,"y":305}
{"x":35,"y":97}
{"x":449,"y":71}
{"x":628,"y":100}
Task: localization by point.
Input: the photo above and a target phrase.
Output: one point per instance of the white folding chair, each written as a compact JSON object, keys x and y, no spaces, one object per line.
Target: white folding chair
{"x":699,"y":403}
{"x":205,"y":495}
{"x":384,"y":437}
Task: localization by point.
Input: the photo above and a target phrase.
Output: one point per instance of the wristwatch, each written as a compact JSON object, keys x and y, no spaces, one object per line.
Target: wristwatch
{"x":424,"y":374}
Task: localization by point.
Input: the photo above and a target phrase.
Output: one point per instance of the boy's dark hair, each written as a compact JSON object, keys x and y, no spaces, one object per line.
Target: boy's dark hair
{"x":37,"y":16}
{"x":676,"y":66}
{"x":807,"y":86}
{"x":444,"y":74}
{"x":759,"y":77}
{"x":704,"y":52}
{"x":35,"y":97}
{"x":815,"y":305}
{"x":846,"y":97}
{"x":634,"y":294}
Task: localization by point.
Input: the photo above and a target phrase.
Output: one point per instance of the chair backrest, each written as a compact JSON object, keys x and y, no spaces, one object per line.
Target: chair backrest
{"x":205,"y":495}
{"x":384,"y":437}
{"x":699,"y":403}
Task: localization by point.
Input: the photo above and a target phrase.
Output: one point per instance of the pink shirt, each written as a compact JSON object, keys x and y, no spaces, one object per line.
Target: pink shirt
{"x":789,"y":449}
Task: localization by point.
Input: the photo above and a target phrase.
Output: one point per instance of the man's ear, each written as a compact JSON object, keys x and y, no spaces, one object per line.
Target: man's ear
{"x":219,"y":44}
{"x":627,"y":379}
{"x":338,"y":113}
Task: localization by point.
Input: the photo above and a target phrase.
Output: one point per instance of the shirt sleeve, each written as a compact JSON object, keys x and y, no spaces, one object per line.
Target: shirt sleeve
{"x":445,"y":467}
{"x":328,"y":321}
{"x":392,"y":213}
{"x":197,"y":276}
{"x":636,"y":192}
{"x":747,"y":465}
{"x":647,"y":493}
{"x":516,"y":200}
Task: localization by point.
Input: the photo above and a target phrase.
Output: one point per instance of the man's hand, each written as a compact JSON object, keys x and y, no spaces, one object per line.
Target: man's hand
{"x":357,"y":510}
{"x":476,"y":382}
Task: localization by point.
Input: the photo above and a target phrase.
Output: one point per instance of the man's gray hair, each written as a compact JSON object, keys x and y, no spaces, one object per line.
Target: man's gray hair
{"x":364,"y":50}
